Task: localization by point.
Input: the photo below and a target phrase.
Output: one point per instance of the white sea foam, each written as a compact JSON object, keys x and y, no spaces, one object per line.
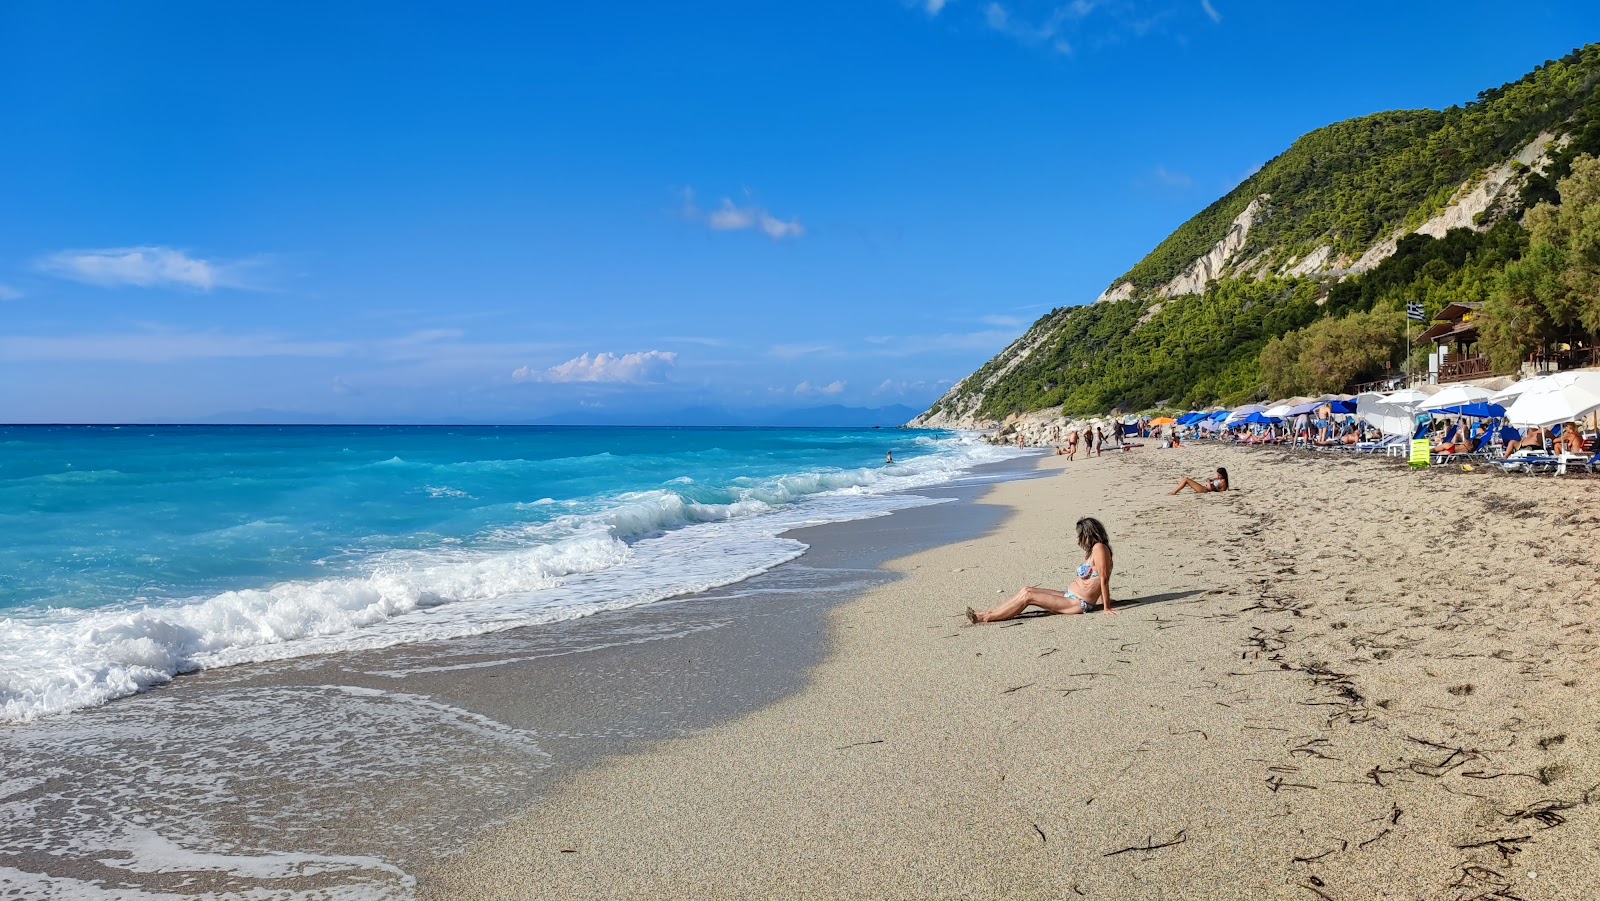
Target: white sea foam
{"x":643,"y":547}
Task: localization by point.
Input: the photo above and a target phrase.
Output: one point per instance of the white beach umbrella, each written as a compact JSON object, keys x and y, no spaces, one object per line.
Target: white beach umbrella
{"x":1241,"y":413}
{"x":1279,"y":411}
{"x":1390,"y":419}
{"x":1406,"y":397}
{"x":1456,"y":396}
{"x":1506,"y":395}
{"x":1562,"y":397}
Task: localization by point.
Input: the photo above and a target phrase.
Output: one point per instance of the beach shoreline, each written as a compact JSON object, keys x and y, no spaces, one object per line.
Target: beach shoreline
{"x":1321,"y":684}
{"x":366,"y":766}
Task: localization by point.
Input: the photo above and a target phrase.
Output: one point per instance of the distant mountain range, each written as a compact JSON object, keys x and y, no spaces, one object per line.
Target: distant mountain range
{"x":831,"y":416}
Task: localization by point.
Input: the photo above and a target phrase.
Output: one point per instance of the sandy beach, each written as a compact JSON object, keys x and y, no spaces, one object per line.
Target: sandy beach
{"x":1340,"y":680}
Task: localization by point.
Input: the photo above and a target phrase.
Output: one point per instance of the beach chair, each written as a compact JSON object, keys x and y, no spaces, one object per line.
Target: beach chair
{"x":1482,"y":452}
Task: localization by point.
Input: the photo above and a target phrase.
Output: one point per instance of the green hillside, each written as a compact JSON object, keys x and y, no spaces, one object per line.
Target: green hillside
{"x":1346,"y":187}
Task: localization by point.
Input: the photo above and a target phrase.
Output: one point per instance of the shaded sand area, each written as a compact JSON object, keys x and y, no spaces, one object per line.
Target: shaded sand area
{"x":1342,"y":680}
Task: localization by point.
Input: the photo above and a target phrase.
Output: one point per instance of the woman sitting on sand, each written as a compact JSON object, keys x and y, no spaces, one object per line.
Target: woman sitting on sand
{"x":1092,"y":584}
{"x":1220,"y":483}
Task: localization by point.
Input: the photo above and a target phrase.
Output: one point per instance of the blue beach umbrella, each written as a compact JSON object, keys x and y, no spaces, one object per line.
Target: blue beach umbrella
{"x":1259,"y":418}
{"x":1478,"y":410}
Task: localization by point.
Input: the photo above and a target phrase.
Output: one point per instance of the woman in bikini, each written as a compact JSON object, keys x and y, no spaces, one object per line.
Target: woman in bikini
{"x":1219,"y":483}
{"x":1092,"y":586}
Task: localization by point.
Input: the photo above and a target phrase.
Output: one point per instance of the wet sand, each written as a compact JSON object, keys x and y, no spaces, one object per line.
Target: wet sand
{"x":1341,"y":680}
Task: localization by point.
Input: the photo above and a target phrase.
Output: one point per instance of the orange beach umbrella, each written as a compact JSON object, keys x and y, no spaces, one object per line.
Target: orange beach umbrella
{"x":1164,"y":420}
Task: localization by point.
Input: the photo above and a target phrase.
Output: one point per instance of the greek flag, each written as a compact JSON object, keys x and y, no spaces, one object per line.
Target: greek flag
{"x":1414,"y":312}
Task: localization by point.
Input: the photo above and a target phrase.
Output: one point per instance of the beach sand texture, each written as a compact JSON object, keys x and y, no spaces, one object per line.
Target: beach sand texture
{"x":1342,"y":680}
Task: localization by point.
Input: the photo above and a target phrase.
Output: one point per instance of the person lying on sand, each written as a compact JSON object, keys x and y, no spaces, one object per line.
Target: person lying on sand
{"x":1093,"y":583}
{"x":1220,"y":483}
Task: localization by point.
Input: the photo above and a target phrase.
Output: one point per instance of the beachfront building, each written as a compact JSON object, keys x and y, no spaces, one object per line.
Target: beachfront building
{"x":1454,"y":336}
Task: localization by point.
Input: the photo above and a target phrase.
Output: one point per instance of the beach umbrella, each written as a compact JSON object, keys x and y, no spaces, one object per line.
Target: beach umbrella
{"x":1562,"y":397}
{"x":1342,"y":406}
{"x":1307,"y":407}
{"x":1387,"y":418}
{"x":1163,"y":420}
{"x":1278,"y":412}
{"x":1239,"y":413}
{"x":1409,"y":398}
{"x":1478,"y":410}
{"x":1455,"y":396}
{"x":1260,"y":418}
{"x":1511,"y":392}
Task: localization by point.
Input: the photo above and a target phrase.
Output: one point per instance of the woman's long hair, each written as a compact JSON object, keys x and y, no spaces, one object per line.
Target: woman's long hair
{"x":1090,"y":533}
{"x":1224,"y":473}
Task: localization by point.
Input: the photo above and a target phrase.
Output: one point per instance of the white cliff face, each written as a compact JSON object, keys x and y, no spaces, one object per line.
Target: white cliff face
{"x":1117,"y":292}
{"x":1315,"y":262}
{"x":1471,"y":200}
{"x":1193,"y":280}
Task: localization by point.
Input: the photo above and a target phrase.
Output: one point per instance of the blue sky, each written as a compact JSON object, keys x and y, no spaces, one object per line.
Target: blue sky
{"x":395,"y":211}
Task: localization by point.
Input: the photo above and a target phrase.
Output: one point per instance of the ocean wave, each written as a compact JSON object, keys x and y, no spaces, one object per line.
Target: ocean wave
{"x":629,"y":549}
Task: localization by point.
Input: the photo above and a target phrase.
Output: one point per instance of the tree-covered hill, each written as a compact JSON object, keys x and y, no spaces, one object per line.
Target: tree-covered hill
{"x":1349,"y":196}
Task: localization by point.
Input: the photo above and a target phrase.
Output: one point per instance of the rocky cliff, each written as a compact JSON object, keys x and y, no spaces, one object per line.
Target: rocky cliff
{"x":1334,"y":206}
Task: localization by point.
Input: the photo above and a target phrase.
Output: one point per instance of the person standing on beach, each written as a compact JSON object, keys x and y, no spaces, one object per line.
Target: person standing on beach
{"x":1092,"y":584}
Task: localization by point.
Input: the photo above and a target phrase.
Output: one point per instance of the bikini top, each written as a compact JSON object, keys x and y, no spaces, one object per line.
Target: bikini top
{"x":1086,"y":571}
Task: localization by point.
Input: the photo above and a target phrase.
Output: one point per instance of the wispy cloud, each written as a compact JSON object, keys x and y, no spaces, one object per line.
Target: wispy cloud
{"x":159,"y":345}
{"x":900,"y":388}
{"x":1211,"y":11}
{"x":832,"y":389}
{"x":146,"y":267}
{"x":1003,"y":321}
{"x":9,"y":293}
{"x":934,"y":7}
{"x":1064,"y":27}
{"x":730,"y":216}
{"x":796,"y":351}
{"x":632,"y":369}
{"x":912,"y":345}
{"x":1038,"y":32}
{"x":1169,"y":178}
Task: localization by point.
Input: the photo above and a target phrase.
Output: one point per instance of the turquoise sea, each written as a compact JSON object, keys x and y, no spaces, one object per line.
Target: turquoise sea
{"x":129,"y":554}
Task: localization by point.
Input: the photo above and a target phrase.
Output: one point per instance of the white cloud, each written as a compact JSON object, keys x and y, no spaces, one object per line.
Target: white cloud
{"x":832,"y":389}
{"x":733,"y":217}
{"x":635,"y":368}
{"x":9,"y":293}
{"x":934,"y":7}
{"x":1211,"y":11}
{"x":144,"y":267}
